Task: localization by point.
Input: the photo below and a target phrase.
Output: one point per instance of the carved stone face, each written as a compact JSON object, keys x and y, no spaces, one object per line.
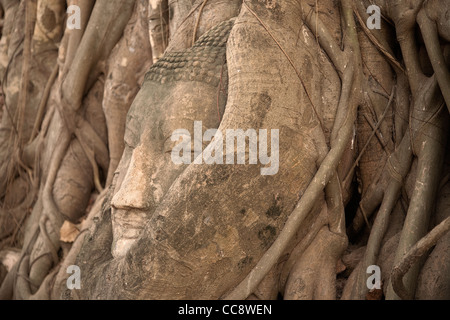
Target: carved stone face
{"x":146,"y":170}
{"x":182,"y":87}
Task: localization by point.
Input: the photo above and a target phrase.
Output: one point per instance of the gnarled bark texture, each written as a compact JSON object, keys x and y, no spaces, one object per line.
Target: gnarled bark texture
{"x":358,"y":173}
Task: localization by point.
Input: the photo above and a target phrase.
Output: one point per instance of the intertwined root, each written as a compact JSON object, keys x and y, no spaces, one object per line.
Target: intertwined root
{"x":62,"y":131}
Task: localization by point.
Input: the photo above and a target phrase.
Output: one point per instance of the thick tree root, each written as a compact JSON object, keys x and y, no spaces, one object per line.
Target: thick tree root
{"x":314,"y":276}
{"x":413,"y":255}
{"x":429,"y":143}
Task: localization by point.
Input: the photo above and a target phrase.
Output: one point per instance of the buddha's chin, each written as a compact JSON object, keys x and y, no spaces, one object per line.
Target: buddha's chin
{"x":127,"y":228}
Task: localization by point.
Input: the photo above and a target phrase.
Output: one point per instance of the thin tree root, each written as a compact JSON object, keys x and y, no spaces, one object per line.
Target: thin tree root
{"x":374,"y":131}
{"x":326,"y":42}
{"x":30,"y":20}
{"x":378,"y":42}
{"x":22,"y":287}
{"x":91,"y":157}
{"x":381,"y":223}
{"x":43,"y":103}
{"x":431,"y":39}
{"x":194,"y":34}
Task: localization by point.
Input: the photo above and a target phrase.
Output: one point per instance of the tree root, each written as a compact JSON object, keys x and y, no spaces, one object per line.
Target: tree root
{"x":327,"y":43}
{"x":61,"y":272}
{"x":374,"y":131}
{"x":398,"y":171}
{"x":43,"y":102}
{"x":379,"y":42}
{"x":309,"y":270}
{"x":413,"y":255}
{"x":343,"y":134}
{"x":110,"y":18}
{"x":431,"y":38}
{"x":194,"y":35}
{"x":158,"y":27}
{"x":429,"y":139}
{"x":322,"y":254}
{"x":319,"y":118}
{"x":123,"y":81}
{"x":73,"y":38}
{"x":314,"y":276}
{"x":307,"y":240}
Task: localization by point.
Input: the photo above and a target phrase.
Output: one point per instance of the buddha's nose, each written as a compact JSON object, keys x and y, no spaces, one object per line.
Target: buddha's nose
{"x":135,"y":189}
